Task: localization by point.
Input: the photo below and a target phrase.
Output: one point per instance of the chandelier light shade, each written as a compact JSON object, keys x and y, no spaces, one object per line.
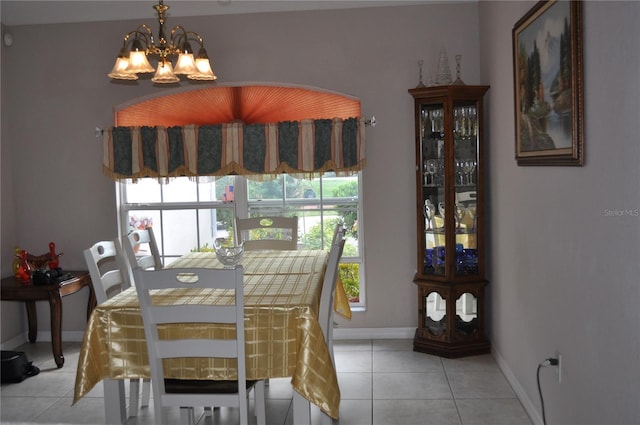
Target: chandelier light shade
{"x":165,"y":74}
{"x":203,"y":67}
{"x":139,"y":46}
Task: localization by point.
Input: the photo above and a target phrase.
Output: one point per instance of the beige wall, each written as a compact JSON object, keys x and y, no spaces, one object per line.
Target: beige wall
{"x":563,"y":271}
{"x":52,"y":111}
{"x":564,"y":268}
{"x":14,"y":316}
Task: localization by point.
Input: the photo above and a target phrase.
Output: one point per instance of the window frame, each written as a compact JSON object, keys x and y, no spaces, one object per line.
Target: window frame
{"x":241,"y":208}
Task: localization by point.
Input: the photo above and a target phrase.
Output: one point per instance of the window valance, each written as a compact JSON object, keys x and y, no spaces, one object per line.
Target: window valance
{"x":302,"y":148}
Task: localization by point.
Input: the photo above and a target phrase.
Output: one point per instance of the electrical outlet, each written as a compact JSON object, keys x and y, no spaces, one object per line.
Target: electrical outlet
{"x":559,"y":367}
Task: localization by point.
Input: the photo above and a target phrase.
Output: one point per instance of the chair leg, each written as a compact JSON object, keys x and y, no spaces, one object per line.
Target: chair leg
{"x":134,"y":392}
{"x":186,"y":416}
{"x":208,"y":410}
{"x":146,"y":393}
{"x":330,"y":344}
{"x":259,"y":403}
{"x":301,"y":410}
{"x":326,"y":419}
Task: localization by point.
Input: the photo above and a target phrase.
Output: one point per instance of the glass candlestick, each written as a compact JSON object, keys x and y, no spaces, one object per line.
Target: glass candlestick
{"x":420,"y":83}
{"x":458,"y":81}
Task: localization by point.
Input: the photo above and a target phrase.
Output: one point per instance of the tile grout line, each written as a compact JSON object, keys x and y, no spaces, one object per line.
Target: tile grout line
{"x":453,"y":397}
{"x":372,"y":386}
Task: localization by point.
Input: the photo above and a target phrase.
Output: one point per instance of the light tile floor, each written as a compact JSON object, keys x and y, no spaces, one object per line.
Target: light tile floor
{"x":382,"y":382}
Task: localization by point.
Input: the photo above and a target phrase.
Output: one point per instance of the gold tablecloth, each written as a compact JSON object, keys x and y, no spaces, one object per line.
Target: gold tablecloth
{"x":283,"y":335}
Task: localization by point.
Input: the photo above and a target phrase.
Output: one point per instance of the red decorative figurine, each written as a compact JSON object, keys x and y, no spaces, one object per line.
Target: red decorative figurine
{"x":24,"y":269}
{"x":54,"y":262}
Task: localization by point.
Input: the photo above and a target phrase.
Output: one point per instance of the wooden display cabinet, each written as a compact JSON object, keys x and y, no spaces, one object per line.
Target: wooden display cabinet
{"x":450,"y":220}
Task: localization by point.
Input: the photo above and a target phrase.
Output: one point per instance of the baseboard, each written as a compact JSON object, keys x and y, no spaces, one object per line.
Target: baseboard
{"x":14,"y":342}
{"x":373,"y":333}
{"x":528,"y":405}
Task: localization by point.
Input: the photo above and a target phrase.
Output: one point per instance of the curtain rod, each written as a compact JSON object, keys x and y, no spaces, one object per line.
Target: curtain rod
{"x":369,"y":123}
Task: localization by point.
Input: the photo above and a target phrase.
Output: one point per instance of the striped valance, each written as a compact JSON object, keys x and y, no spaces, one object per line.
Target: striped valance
{"x":301,"y":148}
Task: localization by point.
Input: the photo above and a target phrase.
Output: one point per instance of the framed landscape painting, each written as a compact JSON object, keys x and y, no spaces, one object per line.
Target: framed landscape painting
{"x":548,"y":84}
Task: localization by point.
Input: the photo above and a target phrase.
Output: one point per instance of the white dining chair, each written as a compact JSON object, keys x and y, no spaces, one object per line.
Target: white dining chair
{"x":279,"y":233}
{"x":144,"y":237}
{"x":186,"y":393}
{"x":109,"y":275}
{"x":326,"y":312}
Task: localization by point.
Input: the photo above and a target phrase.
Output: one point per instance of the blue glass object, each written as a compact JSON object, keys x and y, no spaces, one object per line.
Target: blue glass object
{"x":467,"y":261}
{"x":428,"y":261}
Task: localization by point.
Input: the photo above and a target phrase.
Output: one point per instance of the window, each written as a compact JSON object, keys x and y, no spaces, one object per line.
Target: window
{"x":188,"y":215}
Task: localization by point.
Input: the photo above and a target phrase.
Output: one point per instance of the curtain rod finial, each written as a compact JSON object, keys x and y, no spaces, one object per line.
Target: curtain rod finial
{"x":371,"y":122}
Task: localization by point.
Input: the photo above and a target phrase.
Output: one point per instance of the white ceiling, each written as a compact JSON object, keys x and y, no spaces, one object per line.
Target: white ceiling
{"x":28,"y":12}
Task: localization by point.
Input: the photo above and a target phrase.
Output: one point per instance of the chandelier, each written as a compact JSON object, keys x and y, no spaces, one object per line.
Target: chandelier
{"x":139,"y":45}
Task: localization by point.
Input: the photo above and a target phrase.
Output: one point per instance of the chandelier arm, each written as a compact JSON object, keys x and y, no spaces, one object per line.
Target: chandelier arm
{"x":178,"y":38}
{"x":136,"y":34}
{"x":179,"y":35}
{"x":146,"y":33}
{"x":197,"y":38}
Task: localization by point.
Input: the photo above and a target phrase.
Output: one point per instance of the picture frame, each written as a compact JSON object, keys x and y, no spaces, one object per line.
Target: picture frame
{"x":548,"y":84}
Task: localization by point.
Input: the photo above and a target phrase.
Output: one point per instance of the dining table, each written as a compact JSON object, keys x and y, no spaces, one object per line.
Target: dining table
{"x":283,"y":335}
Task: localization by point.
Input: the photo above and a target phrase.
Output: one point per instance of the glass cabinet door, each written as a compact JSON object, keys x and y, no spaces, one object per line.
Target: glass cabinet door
{"x":434,"y":163}
{"x":465,"y":163}
{"x":433,"y":187}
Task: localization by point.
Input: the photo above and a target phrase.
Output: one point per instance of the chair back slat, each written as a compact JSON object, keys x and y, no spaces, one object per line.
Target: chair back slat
{"x":191,"y":314}
{"x":197,"y":348}
{"x":288,"y":226}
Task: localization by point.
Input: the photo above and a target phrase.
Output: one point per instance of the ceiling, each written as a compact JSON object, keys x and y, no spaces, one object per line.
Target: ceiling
{"x":30,"y":12}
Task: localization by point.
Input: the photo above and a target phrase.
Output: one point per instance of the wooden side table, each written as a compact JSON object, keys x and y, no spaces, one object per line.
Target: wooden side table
{"x":14,"y":290}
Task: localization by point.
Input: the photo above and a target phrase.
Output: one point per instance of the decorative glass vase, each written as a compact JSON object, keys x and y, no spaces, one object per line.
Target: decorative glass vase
{"x":443,"y":77}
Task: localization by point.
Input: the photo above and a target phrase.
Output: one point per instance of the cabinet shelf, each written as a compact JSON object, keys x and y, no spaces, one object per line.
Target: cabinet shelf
{"x":442,"y":231}
{"x":464,"y":186}
{"x":450,"y":220}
